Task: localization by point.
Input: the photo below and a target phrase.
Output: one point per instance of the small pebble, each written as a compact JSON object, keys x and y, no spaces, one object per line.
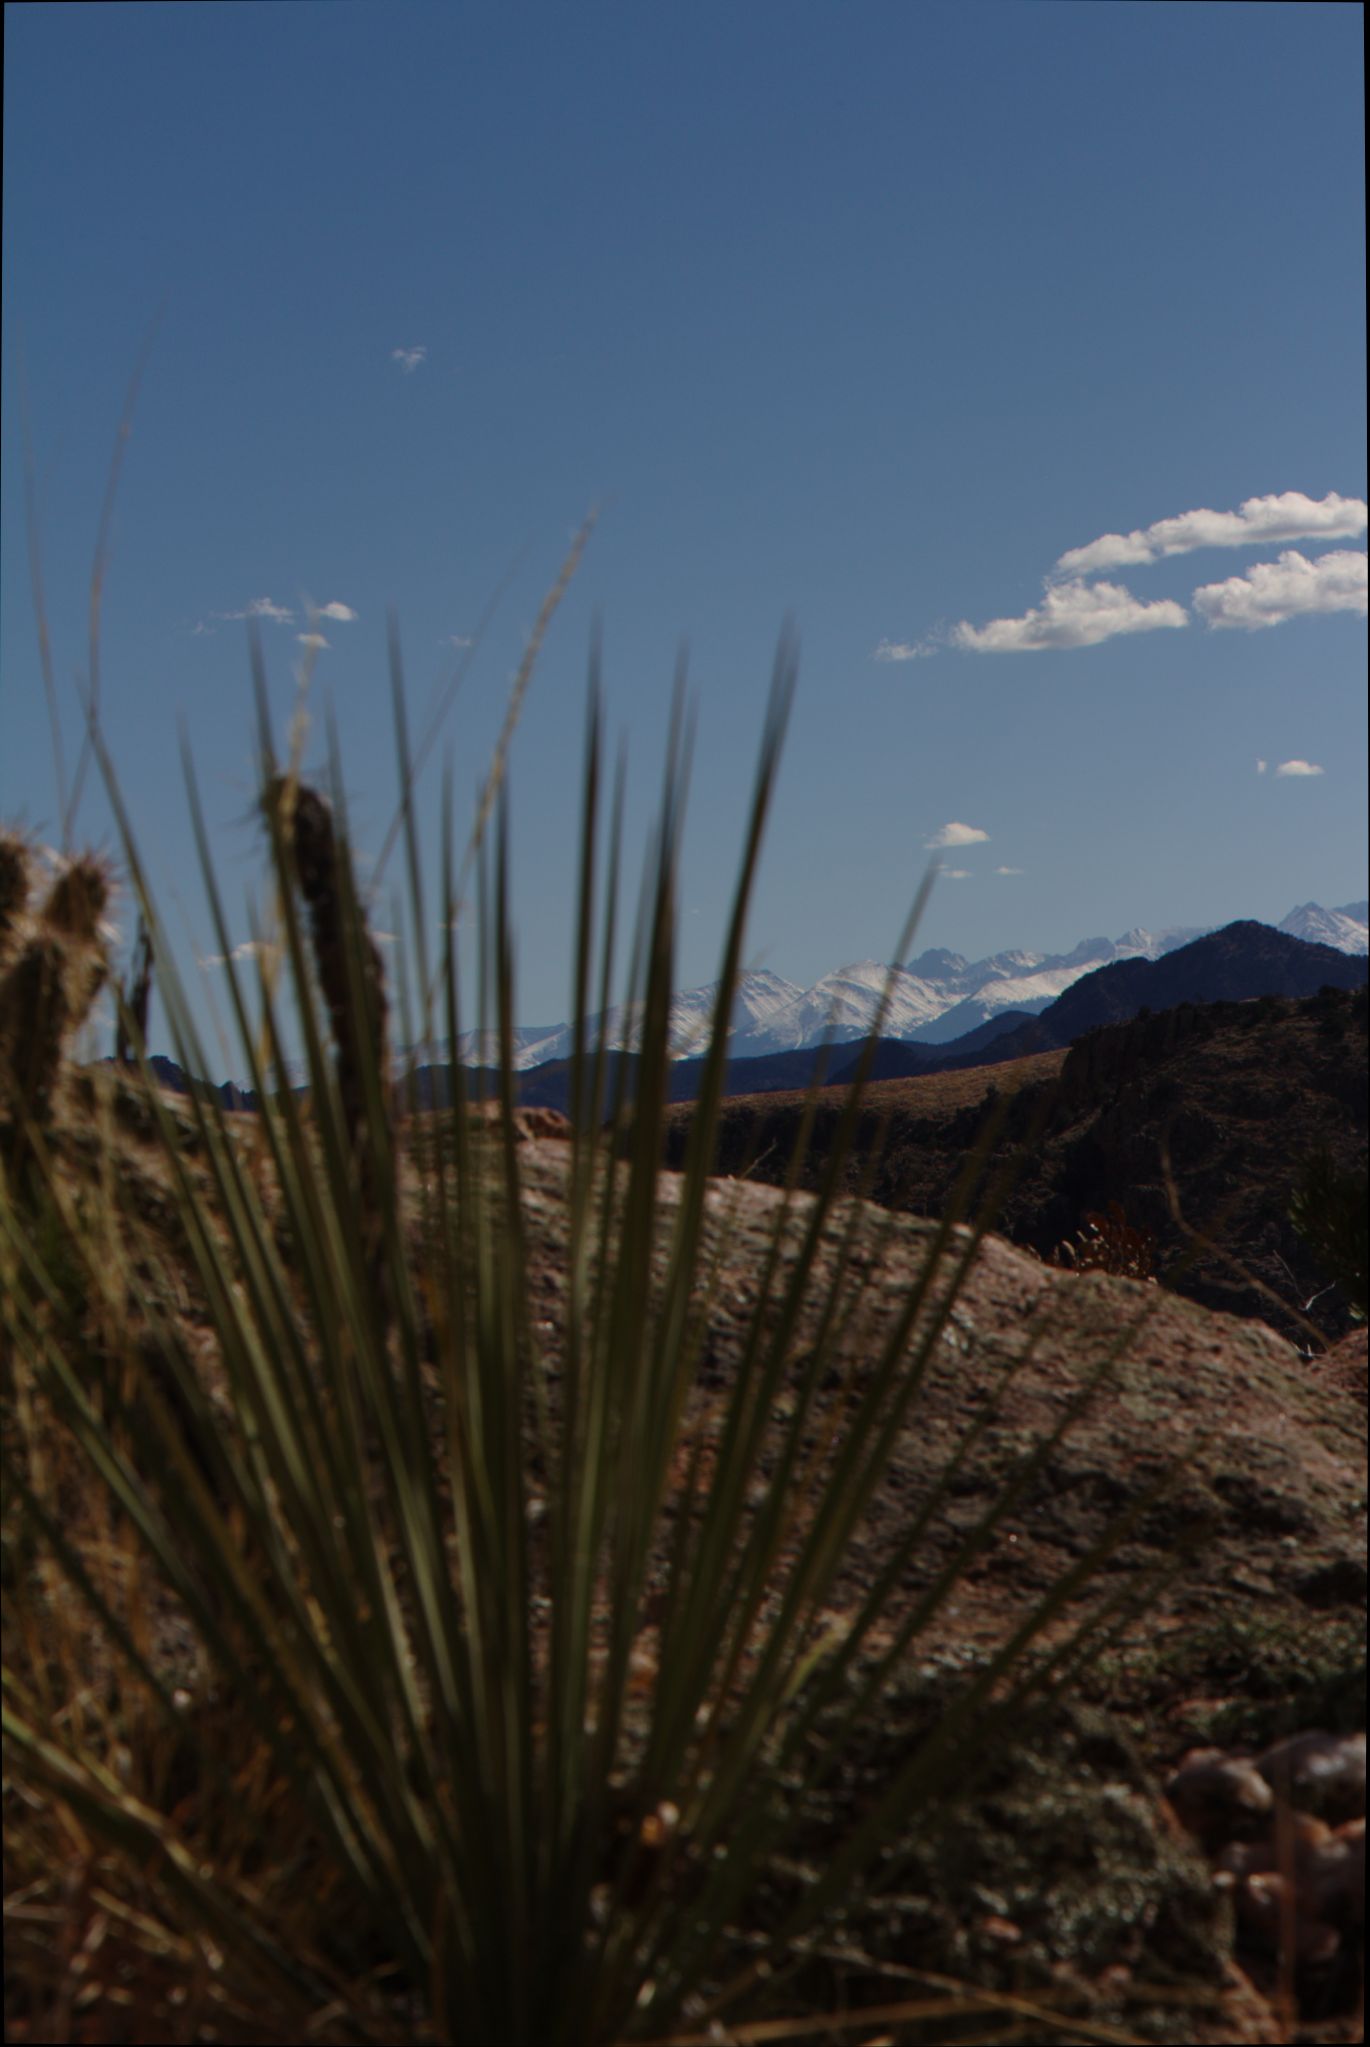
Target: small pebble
{"x":1219,"y":1798}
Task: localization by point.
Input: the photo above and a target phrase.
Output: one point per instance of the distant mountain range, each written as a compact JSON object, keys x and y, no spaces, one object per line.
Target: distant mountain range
{"x":1241,"y":962}
{"x":935,"y":999}
{"x":1009,"y":1005}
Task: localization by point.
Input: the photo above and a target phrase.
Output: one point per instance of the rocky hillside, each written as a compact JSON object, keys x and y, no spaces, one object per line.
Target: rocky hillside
{"x":1258,"y":1636}
{"x":1237,"y":1095}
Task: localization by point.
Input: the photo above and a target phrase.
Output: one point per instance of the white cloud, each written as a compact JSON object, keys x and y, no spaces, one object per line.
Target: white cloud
{"x":343,"y":613}
{"x":1008,"y":870}
{"x":957,"y":835}
{"x":456,"y":640}
{"x":1261,"y":767}
{"x":1272,"y":592}
{"x":1070,"y":615}
{"x":1297,"y":768}
{"x":1078,"y":612}
{"x":1257,"y":522}
{"x":315,"y":640}
{"x":956,"y":874}
{"x":409,"y":358}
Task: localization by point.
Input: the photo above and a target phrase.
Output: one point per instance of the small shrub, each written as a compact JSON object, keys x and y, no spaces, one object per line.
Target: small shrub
{"x":1109,"y":1243}
{"x":1331,"y":1212}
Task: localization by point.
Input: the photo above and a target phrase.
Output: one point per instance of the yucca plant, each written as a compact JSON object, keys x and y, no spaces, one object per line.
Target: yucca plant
{"x":390,"y":1664}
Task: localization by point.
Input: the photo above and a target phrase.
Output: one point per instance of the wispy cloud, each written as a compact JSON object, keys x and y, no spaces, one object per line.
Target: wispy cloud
{"x":1070,"y":615}
{"x":902,"y":650}
{"x":1261,"y":767}
{"x":248,"y":950}
{"x":260,"y":607}
{"x":1257,"y":522}
{"x":1298,"y":768}
{"x":956,"y":835}
{"x":409,"y":358}
{"x":456,"y":640}
{"x":315,"y":640}
{"x":1008,"y":870}
{"x":1291,"y":587}
{"x":956,"y":874}
{"x":281,"y":614}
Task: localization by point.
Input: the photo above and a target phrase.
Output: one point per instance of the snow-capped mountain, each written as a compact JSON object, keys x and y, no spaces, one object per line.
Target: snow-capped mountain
{"x":755,"y":998}
{"x":533,"y":1045}
{"x":842,"y":1006}
{"x":1031,"y":980}
{"x":933,"y":999}
{"x":940,"y":995}
{"x":1347,"y":928}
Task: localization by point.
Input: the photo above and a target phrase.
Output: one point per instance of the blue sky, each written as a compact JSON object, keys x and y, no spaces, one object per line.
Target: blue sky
{"x":1015,"y":351}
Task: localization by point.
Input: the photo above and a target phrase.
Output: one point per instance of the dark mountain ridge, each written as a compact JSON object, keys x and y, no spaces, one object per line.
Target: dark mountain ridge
{"x":169,"y":1075}
{"x":1239,"y":963}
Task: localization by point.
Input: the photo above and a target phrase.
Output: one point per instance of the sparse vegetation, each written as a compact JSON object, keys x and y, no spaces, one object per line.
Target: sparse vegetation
{"x":1248,"y":1681}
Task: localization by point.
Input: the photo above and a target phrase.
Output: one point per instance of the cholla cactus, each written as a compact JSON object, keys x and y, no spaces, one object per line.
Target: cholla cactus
{"x":16,"y":862}
{"x":322,"y":869}
{"x":53,"y":963}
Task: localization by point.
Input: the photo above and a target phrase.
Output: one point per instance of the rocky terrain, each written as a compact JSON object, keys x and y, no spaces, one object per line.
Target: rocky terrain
{"x":1068,"y":1870}
{"x":1058,"y":1884}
